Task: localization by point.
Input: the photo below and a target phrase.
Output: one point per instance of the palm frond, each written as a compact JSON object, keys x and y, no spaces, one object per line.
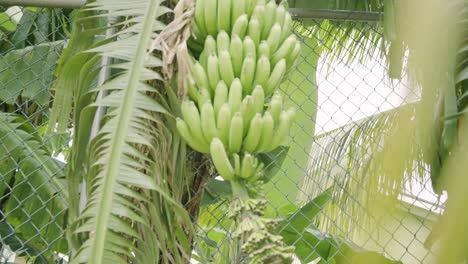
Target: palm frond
{"x":370,"y":158}
{"x":344,"y":41}
{"x":126,"y":186}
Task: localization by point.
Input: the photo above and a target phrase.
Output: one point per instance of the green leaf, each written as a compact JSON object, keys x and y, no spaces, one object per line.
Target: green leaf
{"x":41,"y":32}
{"x":22,"y":30}
{"x":311,"y":243}
{"x":29,"y":72}
{"x":273,"y":161}
{"x":6,"y":24}
{"x":302,"y":218}
{"x":216,"y":191}
{"x":34,"y":201}
{"x":9,"y":237}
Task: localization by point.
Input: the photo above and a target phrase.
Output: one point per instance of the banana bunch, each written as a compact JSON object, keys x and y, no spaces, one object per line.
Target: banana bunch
{"x":266,"y":24}
{"x":229,"y":57}
{"x":249,"y":168}
{"x":233,"y":111}
{"x":239,"y":126}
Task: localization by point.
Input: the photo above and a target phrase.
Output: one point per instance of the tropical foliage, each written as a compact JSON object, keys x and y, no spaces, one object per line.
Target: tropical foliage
{"x":131,"y":190}
{"x":33,"y":200}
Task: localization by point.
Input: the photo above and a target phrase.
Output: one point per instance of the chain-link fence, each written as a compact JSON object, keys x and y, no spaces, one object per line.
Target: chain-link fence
{"x":32,"y":197}
{"x":347,"y":97}
{"x":360,"y":95}
{"x":345,"y":100}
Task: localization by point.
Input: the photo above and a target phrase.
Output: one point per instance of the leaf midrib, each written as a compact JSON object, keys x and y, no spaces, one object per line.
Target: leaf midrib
{"x":97,"y":254}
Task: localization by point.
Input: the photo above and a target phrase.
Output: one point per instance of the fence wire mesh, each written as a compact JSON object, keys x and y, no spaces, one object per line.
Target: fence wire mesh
{"x":32,"y":197}
{"x":344,"y":96}
{"x":347,"y":97}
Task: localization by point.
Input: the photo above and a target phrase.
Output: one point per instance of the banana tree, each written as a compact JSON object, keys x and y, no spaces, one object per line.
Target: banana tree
{"x":141,"y":194}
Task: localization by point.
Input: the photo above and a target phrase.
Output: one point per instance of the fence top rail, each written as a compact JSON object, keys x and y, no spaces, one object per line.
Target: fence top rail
{"x":348,"y":15}
{"x":45,"y":3}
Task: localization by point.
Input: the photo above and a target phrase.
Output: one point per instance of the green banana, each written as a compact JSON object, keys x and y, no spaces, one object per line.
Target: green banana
{"x":224,"y":15}
{"x":200,"y":17}
{"x":203,"y":97}
{"x":264,"y":49}
{"x":189,"y":138}
{"x":267,"y":132}
{"x":276,"y":106}
{"x":250,"y":6}
{"x":280,"y":14}
{"x":191,"y":117}
{"x":221,"y":95}
{"x":208,"y":122}
{"x":221,"y":160}
{"x":223,"y":41}
{"x":253,"y":166}
{"x":274,"y":37}
{"x":203,"y":59}
{"x":248,"y":166}
{"x":192,"y":89}
{"x":282,"y":130}
{"x":263,"y":71}
{"x":224,"y":123}
{"x":236,"y":133}
{"x":259,"y":13}
{"x":276,"y":77}
{"x":249,"y":48}
{"x":237,"y":164}
{"x":240,"y":26}
{"x":235,"y":95}
{"x":238,"y":8}
{"x":284,"y":50}
{"x":291,"y":59}
{"x":248,"y":112}
{"x":269,"y":18}
{"x":199,"y":75}
{"x":253,"y":136}
{"x":225,"y":67}
{"x":211,"y":13}
{"x":258,"y":97}
{"x":248,"y":74}
{"x":209,"y":47}
{"x":213,"y":72}
{"x":286,"y":26}
{"x":236,"y":48}
{"x":254,"y":30}
{"x":258,"y":175}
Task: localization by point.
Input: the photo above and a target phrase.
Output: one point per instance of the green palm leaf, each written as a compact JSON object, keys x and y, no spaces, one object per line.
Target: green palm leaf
{"x":360,"y":160}
{"x":122,"y":171}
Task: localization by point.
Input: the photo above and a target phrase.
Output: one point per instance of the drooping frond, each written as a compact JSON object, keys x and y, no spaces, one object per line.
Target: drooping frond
{"x":370,"y":158}
{"x":122,"y":174}
{"x":344,"y":41}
